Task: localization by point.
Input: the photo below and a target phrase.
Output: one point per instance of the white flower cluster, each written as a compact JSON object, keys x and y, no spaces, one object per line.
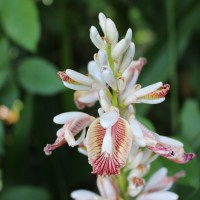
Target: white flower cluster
{"x":114,"y":139}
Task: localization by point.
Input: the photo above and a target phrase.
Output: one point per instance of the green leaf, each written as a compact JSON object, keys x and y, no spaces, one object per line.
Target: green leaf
{"x":1,"y":139}
{"x":4,"y":64}
{"x":38,"y":76}
{"x":20,"y":21}
{"x":25,"y":193}
{"x":9,"y":93}
{"x":190,"y":126}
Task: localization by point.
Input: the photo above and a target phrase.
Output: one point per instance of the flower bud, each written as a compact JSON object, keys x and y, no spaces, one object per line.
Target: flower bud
{"x":96,"y":38}
{"x":111,"y":32}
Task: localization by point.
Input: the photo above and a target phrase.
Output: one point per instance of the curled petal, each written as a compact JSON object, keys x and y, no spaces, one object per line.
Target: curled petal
{"x":67,"y":117}
{"x":71,"y":83}
{"x":172,"y":150}
{"x":84,"y":99}
{"x":78,"y":77}
{"x":108,"y":149}
{"x":159,"y":93}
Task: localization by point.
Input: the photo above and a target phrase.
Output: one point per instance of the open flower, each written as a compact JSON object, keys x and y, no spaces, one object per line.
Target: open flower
{"x":108,"y":143}
{"x":73,"y":123}
{"x":157,"y":186}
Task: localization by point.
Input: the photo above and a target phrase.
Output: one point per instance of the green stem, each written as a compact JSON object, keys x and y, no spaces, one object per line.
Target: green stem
{"x":115,"y":98}
{"x":173,"y":63}
{"x":110,"y":60}
{"x":122,"y":183}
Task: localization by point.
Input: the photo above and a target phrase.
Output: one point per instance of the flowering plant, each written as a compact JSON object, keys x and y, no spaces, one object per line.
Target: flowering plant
{"x":119,"y":147}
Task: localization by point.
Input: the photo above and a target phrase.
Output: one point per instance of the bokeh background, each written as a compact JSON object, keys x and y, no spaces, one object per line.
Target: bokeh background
{"x":40,"y":37}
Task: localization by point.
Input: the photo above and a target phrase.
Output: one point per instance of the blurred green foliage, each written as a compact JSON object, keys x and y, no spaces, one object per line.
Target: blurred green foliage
{"x":39,"y":37}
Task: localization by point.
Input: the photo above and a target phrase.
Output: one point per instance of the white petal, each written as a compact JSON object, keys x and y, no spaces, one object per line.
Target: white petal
{"x":119,"y":49}
{"x":151,"y":101}
{"x":102,"y":21}
{"x":128,"y":36}
{"x":105,"y":187}
{"x":81,"y":138}
{"x":155,"y":179}
{"x":76,"y":86}
{"x":127,"y":57}
{"x":170,"y":141}
{"x":102,"y":57}
{"x":96,"y":38}
{"x":69,"y":137}
{"x":121,"y":84}
{"x":94,"y":71}
{"x":109,"y":118}
{"x":68,"y":116}
{"x":104,"y":101}
{"x":158,"y":196}
{"x":146,"y":90}
{"x":79,"y":77}
{"x":83,"y":195}
{"x":90,"y":98}
{"x":135,"y":128}
{"x":109,"y":77}
{"x":100,"y":112}
{"x":107,"y":145}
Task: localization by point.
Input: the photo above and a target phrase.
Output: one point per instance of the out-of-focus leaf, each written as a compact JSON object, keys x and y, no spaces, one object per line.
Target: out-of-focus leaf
{"x":25,"y":193}
{"x":9,"y":93}
{"x":4,"y":60}
{"x":157,"y":69}
{"x":18,"y":146}
{"x":39,"y":76}
{"x":191,"y":168}
{"x":190,"y":122}
{"x":21,"y":23}
{"x":1,"y":138}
